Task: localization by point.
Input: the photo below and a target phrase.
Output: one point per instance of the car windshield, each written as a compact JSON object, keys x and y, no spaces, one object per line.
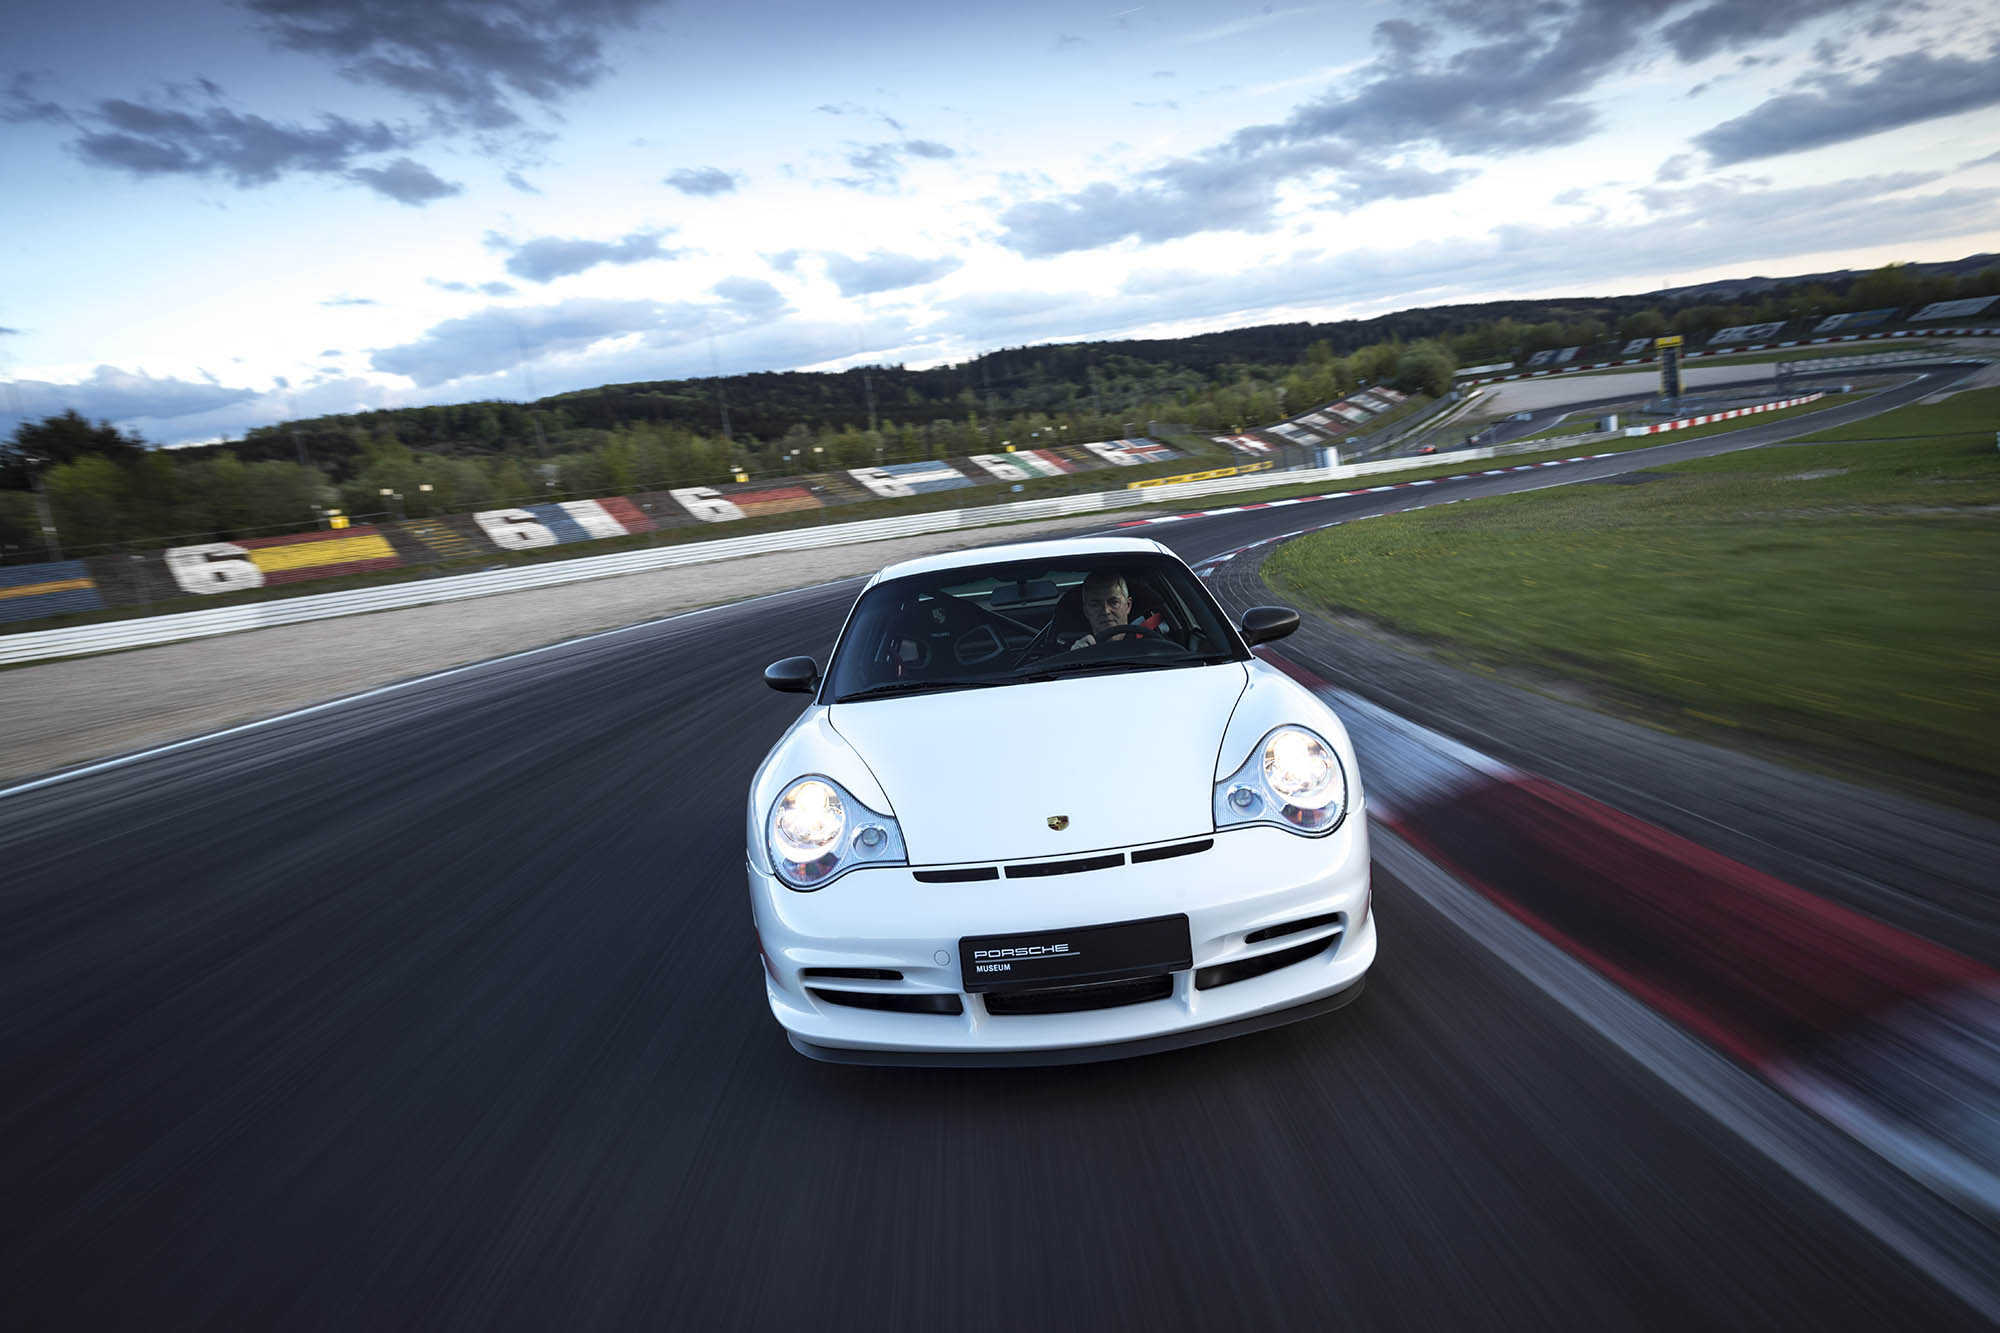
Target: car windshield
{"x":978,"y":626}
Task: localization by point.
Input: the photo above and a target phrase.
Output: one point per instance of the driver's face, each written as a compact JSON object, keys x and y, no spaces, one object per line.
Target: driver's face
{"x":1107,"y":607}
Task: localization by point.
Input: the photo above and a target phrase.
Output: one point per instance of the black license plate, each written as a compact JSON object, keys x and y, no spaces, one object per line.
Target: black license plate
{"x":1077,"y":956}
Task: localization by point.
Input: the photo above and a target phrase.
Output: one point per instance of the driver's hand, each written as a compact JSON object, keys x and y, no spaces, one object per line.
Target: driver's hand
{"x":1084,"y":642}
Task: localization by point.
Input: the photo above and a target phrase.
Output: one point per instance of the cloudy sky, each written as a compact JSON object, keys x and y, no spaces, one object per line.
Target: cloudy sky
{"x":221,"y":214}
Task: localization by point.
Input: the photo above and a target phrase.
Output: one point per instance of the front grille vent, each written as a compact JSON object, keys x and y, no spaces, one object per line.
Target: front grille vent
{"x":1227,"y":974}
{"x":850,"y":974}
{"x":1292,"y":927}
{"x":1074,"y":999}
{"x":894,"y":1003}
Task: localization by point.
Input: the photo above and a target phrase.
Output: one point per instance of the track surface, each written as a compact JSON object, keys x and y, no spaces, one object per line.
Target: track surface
{"x":441,"y":1009}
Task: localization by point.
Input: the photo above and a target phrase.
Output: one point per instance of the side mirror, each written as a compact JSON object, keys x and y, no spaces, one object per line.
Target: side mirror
{"x":800,"y":675}
{"x":1261,"y":624}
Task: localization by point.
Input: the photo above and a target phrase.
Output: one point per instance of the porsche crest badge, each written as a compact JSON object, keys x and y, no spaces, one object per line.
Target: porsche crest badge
{"x":1059,"y":822}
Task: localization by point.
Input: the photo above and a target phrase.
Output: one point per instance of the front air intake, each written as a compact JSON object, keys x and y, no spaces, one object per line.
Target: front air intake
{"x":926,"y":1003}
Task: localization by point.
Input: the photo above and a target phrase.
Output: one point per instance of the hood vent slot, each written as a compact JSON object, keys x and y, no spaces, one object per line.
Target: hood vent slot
{"x":965,"y":876}
{"x":1167,"y":853}
{"x":1075,"y":867}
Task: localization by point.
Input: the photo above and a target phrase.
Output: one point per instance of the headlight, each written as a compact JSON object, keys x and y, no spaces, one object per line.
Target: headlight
{"x":1293,"y":779}
{"x":817,"y":832}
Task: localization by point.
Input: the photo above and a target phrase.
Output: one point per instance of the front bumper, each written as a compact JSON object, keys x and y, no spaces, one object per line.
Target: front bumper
{"x":881,"y":933}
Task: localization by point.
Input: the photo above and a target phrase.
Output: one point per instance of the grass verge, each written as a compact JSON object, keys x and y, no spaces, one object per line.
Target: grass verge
{"x":1969,"y":413}
{"x":1834,"y":602}
{"x":1618,"y":444}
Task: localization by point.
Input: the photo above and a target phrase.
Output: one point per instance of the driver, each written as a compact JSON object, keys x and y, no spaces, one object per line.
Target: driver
{"x":1107,"y":605}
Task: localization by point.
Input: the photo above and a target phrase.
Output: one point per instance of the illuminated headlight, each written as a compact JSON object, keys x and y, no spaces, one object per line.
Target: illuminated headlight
{"x":817,"y":832}
{"x":1293,"y":779}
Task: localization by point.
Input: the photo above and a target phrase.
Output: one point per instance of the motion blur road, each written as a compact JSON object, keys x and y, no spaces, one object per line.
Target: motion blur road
{"x":441,"y":1009}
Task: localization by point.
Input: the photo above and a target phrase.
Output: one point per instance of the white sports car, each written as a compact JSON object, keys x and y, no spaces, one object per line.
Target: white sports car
{"x":1046,"y":807}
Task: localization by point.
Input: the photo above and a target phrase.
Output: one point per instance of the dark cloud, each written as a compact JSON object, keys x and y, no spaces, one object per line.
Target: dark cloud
{"x":1214,"y":191}
{"x":703,"y":181}
{"x":497,"y":340}
{"x":216,"y":141}
{"x":880,"y":272}
{"x":468,"y":60}
{"x":474,"y":349}
{"x":337,"y":301}
{"x":547,"y":258}
{"x":7,"y":332}
{"x":1731,"y":25}
{"x":407,"y":182}
{"x":1404,"y":40}
{"x":881,"y":164}
{"x":121,"y":396}
{"x":1519,"y":90}
{"x":1833,"y":108}
{"x":520,"y":182}
{"x":1365,"y":183}
{"x":19,"y":103}
{"x":752,"y":299}
{"x":1675,"y":168}
{"x":784,"y":261}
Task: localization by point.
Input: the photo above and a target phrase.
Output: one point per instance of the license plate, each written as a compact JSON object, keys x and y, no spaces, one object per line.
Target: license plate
{"x":1076,"y":956}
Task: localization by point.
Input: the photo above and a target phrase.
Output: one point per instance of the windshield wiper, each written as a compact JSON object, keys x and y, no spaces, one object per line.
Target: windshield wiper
{"x":892,"y":687}
{"x":1050,"y":672}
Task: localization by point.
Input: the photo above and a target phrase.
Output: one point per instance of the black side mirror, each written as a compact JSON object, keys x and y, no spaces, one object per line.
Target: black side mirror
{"x":800,"y":675}
{"x":1261,"y":624}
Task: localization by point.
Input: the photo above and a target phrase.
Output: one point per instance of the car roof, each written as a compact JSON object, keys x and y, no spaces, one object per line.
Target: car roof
{"x":1056,"y":549}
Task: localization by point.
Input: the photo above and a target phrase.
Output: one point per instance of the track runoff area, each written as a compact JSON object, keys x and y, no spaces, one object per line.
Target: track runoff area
{"x":1898,"y":1051}
{"x":440,"y":999}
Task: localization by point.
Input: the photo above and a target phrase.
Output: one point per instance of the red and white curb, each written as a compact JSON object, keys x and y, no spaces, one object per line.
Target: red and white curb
{"x":1734,"y":412}
{"x":1889,"y":1036}
{"x":1343,"y":495}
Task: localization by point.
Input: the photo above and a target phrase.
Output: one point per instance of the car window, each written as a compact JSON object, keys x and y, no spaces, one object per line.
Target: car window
{"x":988,"y":625}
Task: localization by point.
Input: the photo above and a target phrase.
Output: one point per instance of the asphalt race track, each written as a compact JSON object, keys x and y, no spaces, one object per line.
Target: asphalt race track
{"x":441,"y":1009}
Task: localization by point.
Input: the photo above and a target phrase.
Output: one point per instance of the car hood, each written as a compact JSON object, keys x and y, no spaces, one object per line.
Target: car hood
{"x":975,"y":775}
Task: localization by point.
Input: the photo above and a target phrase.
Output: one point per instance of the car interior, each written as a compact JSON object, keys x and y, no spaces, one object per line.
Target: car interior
{"x":994,"y":625}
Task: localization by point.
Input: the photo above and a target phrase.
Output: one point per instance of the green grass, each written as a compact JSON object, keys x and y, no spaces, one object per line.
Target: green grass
{"x":1561,"y":428}
{"x":1834,"y":602}
{"x":1972,"y":413}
